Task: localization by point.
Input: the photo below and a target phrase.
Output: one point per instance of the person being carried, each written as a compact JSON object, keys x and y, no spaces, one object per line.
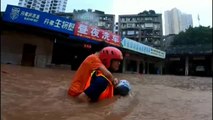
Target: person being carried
{"x":122,"y":88}
{"x":90,"y":82}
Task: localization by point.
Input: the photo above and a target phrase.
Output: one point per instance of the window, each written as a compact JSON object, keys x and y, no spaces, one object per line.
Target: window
{"x":128,"y":19}
{"x":123,"y":25}
{"x":142,"y":26}
{"x":148,"y":18}
{"x":133,"y":19}
{"x":101,"y":23}
{"x":137,"y":25}
{"x":109,"y":19}
{"x":138,"y":19}
{"x":133,"y":25}
{"x":131,"y":32}
{"x":130,"y":25}
{"x":123,"y":19}
{"x":148,"y":24}
{"x":156,"y":19}
{"x":156,"y":26}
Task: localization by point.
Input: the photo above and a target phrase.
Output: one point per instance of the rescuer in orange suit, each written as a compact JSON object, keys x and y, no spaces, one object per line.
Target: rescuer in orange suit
{"x":93,"y":80}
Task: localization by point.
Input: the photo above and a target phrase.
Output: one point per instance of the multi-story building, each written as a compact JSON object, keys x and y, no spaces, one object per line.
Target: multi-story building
{"x":145,"y":27}
{"x":167,"y":41}
{"x":94,"y":18}
{"x":175,"y":21}
{"x":50,"y":6}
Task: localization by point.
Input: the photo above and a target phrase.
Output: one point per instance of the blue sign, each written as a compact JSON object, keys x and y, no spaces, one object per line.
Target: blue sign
{"x":141,"y":48}
{"x":36,"y":18}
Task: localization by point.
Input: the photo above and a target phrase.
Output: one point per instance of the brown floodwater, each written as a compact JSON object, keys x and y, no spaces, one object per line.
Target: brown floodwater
{"x":29,"y":93}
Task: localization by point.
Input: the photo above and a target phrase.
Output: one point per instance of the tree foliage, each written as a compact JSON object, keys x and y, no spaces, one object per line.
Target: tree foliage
{"x":194,"y":36}
{"x":196,"y":40}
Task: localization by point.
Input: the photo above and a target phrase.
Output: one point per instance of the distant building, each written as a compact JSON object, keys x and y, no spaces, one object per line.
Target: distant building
{"x":50,"y":6}
{"x":93,"y":18}
{"x":40,"y":44}
{"x":145,"y":27}
{"x":175,"y":21}
{"x":167,"y":40}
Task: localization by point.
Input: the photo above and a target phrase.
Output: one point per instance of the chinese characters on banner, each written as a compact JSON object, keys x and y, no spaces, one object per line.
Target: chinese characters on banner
{"x":94,"y":33}
{"x":60,"y":24}
{"x":40,"y":19}
{"x":141,"y":48}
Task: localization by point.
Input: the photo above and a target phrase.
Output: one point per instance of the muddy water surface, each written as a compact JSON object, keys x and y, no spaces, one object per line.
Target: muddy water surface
{"x":41,"y":94}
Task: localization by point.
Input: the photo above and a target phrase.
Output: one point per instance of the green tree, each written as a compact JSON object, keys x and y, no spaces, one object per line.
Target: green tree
{"x":194,"y":36}
{"x":197,"y":40}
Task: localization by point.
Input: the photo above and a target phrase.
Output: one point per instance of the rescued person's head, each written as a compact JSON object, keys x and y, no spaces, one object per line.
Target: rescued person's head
{"x":123,"y":88}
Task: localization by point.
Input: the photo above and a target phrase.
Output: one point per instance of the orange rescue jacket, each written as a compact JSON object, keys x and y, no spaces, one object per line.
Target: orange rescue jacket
{"x":108,"y":92}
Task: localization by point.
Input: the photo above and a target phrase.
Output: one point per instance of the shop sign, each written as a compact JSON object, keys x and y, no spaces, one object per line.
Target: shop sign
{"x":37,"y":18}
{"x":142,"y":48}
{"x":94,"y":33}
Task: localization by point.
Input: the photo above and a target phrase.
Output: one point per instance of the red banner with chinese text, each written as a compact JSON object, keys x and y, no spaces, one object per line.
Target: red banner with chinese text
{"x":94,"y":33}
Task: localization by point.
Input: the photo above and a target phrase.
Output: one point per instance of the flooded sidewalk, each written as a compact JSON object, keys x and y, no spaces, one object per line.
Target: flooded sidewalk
{"x":29,"y":93}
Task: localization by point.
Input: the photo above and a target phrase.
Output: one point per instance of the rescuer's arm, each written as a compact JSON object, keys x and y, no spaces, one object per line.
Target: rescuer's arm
{"x":108,"y":74}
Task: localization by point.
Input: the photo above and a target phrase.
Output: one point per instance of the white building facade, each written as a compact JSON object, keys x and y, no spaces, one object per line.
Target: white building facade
{"x":50,"y":6}
{"x":176,"y":21}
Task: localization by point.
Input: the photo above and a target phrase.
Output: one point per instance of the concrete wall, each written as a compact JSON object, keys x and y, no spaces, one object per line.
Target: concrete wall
{"x":12,"y":48}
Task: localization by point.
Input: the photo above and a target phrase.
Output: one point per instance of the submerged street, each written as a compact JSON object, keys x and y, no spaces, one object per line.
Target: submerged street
{"x":29,"y":93}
